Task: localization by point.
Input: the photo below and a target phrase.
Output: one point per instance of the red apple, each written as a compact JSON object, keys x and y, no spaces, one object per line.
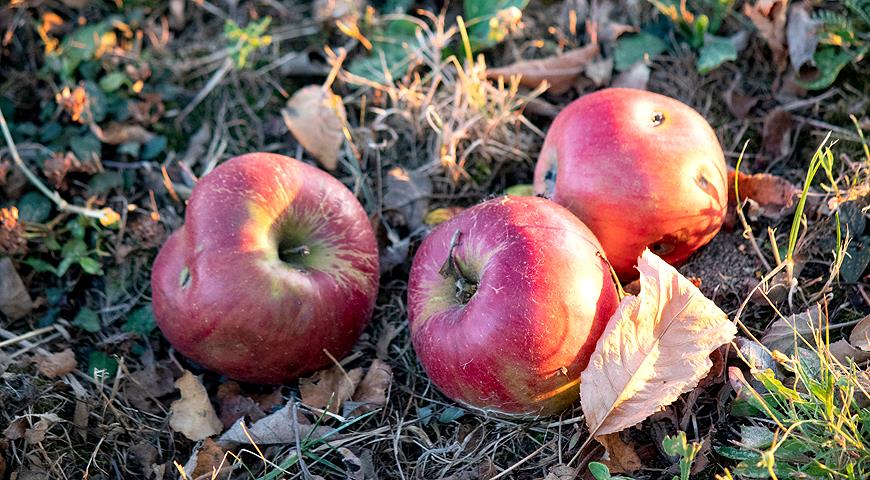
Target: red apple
{"x":506,"y":301}
{"x":640,"y":170}
{"x":276,"y":265}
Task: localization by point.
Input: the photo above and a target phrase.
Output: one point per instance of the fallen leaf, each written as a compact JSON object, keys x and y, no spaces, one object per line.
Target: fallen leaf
{"x":619,"y":456}
{"x":773,"y":196}
{"x":276,"y":428}
{"x":843,"y":351}
{"x":56,"y":364}
{"x":328,"y":389}
{"x":209,"y":461}
{"x":12,"y":240}
{"x":22,"y":427}
{"x":769,"y":17}
{"x":233,"y":405}
{"x":561,"y":472}
{"x":389,"y":333}
{"x":802,"y":35}
{"x":635,"y":77}
{"x":16,"y":428}
{"x":151,"y":382}
{"x":607,"y":31}
{"x":717,"y":371}
{"x":316,"y":117}
{"x":372,"y":390}
{"x":540,"y":107}
{"x":860,"y":336}
{"x":59,"y":165}
{"x":655,"y":347}
{"x":483,"y":470}
{"x":441,"y":215}
{"x":145,"y":455}
{"x":560,"y":71}
{"x":118,"y":133}
{"x":357,"y":467}
{"x":408,"y":192}
{"x":776,"y":133}
{"x":15,"y":302}
{"x":193,"y":414}
{"x":599,"y":71}
{"x":782,"y":334}
{"x":738,"y":104}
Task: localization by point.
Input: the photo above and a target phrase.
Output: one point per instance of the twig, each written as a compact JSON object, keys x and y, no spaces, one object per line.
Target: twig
{"x":107,"y":216}
{"x":32,"y":333}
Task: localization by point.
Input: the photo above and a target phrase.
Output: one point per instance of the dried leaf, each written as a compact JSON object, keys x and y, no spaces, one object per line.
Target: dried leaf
{"x":59,"y":165}
{"x":769,"y":17}
{"x":408,"y":192}
{"x":274,"y":429}
{"x":372,"y":391}
{"x":782,"y":334}
{"x":15,"y":302}
{"x":619,"y":456}
{"x":152,"y":382}
{"x":802,"y":35}
{"x":560,"y":71}
{"x":209,"y":461}
{"x":193,"y":415}
{"x":358,"y":465}
{"x":599,"y":71}
{"x":12,"y":240}
{"x":56,"y":364}
{"x":316,"y":117}
{"x":843,"y":351}
{"x":635,"y":77}
{"x":233,"y":405}
{"x":329,"y":388}
{"x":561,"y":472}
{"x":441,"y":215}
{"x":774,"y":196}
{"x":16,"y":428}
{"x":776,"y":133}
{"x":118,"y":133}
{"x":738,"y":104}
{"x":655,"y":347}
{"x":860,"y":336}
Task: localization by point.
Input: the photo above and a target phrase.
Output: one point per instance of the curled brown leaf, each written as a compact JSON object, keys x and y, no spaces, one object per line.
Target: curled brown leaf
{"x":560,"y":71}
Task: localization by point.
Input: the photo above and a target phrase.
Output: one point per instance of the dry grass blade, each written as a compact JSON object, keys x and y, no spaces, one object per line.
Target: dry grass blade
{"x":656,"y":346}
{"x":560,"y":71}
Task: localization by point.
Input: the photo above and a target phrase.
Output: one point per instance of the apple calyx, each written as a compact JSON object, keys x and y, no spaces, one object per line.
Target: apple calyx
{"x":466,"y":285}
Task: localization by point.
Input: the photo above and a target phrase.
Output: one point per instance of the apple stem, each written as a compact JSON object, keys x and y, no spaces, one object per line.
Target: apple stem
{"x":300,"y":250}
{"x":465,"y":286}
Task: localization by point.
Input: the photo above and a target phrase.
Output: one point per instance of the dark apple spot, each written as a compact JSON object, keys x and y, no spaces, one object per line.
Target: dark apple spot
{"x":662,"y":248}
{"x":184,"y":277}
{"x":550,"y":176}
{"x":658,"y":118}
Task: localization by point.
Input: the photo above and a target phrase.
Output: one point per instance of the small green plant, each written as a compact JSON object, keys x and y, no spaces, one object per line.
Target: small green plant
{"x":245,"y":40}
{"x":678,"y":446}
{"x":844,"y":35}
{"x":697,"y":28}
{"x":601,"y":472}
{"x":77,"y":248}
{"x":811,"y":422}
